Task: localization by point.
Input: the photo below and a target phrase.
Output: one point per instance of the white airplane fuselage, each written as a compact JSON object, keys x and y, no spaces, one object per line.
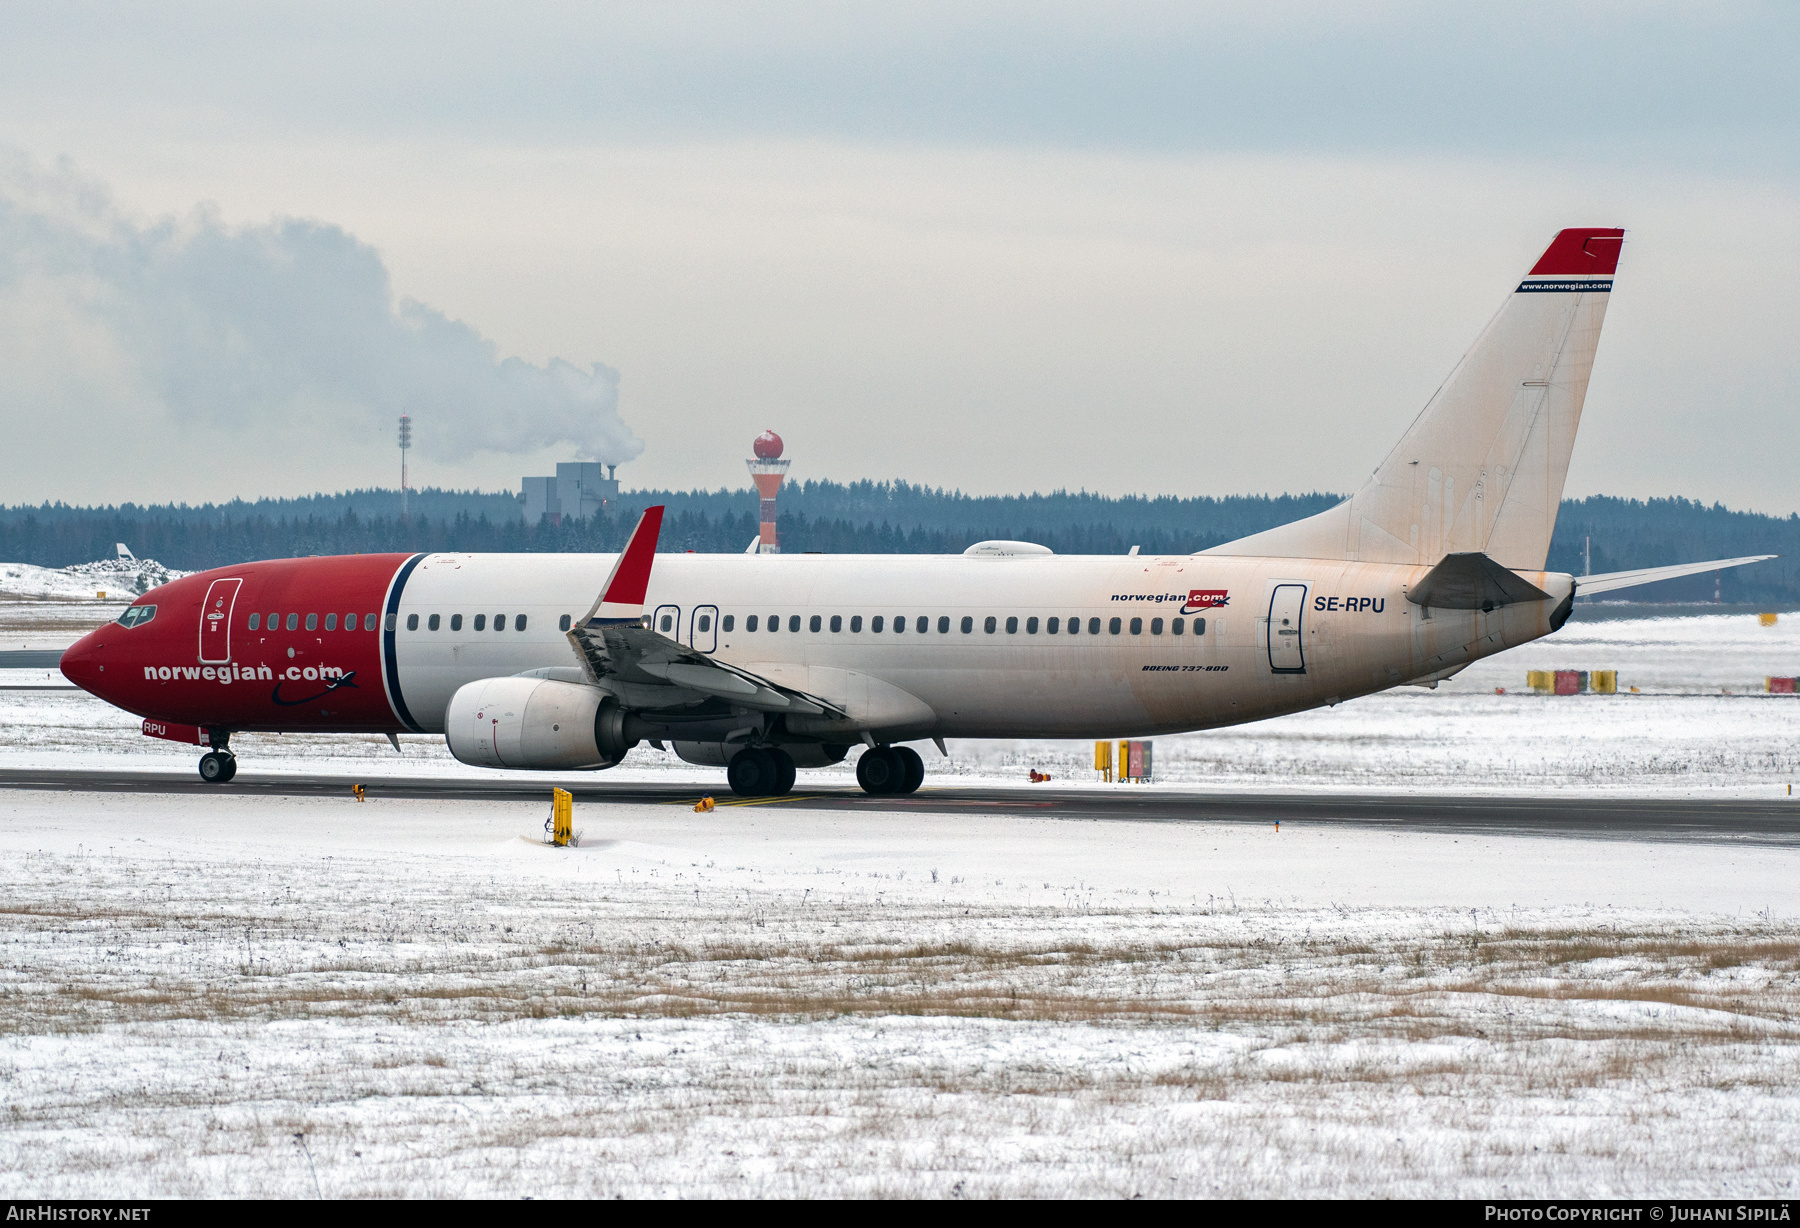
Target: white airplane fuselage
{"x":1353,"y":631}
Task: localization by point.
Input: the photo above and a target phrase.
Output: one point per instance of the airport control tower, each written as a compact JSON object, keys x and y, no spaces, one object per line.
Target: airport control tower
{"x":767,"y":468}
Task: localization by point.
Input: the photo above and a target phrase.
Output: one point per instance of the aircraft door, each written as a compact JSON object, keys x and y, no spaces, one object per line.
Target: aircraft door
{"x":703,"y":631}
{"x":667,"y":621}
{"x":215,"y":621}
{"x":1287,"y":655}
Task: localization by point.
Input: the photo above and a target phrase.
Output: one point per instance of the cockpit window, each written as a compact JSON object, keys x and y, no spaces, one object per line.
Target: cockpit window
{"x":137,"y":615}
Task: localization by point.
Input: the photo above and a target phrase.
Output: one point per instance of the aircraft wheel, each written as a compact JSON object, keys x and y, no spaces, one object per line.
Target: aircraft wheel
{"x":879,"y":771}
{"x":784,"y":771}
{"x":751,"y":773}
{"x":217,"y":768}
{"x":912,"y":769}
{"x":230,"y":766}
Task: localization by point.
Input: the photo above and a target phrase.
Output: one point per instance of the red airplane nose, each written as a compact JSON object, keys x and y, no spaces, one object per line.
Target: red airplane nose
{"x":84,"y":663}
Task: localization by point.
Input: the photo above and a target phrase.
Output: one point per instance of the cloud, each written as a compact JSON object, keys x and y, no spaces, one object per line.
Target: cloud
{"x":226,"y":327}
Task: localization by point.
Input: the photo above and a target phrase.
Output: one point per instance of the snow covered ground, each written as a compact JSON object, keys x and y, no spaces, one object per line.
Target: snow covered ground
{"x":85,"y":581}
{"x":768,"y":1002}
{"x":250,"y":995}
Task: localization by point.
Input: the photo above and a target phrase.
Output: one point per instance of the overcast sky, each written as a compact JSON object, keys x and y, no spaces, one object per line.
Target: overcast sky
{"x":1156,"y":248}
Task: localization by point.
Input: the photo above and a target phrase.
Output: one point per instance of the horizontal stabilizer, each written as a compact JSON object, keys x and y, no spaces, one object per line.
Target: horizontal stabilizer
{"x":1472,"y":581}
{"x":1587,"y":586}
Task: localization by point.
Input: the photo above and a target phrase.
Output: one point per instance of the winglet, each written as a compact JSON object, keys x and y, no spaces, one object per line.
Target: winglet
{"x":621,"y":598}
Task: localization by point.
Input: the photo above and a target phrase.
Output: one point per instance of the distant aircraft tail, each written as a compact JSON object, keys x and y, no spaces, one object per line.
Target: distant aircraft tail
{"x":1482,"y":467}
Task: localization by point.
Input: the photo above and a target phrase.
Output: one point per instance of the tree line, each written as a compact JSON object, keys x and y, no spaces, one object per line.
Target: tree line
{"x":863,"y":518}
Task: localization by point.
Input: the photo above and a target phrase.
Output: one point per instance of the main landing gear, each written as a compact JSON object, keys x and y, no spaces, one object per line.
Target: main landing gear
{"x":761,"y":771}
{"x":890,"y":769}
{"x":218,"y":765}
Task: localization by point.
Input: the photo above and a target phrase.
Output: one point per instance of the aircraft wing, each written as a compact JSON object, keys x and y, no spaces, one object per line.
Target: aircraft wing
{"x":620,"y":652}
{"x":1587,"y":586}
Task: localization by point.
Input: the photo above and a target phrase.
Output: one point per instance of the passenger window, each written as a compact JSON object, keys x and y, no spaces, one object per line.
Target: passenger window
{"x":481,"y":622}
{"x":774,"y":622}
{"x":1176,"y":626}
{"x":856,"y":622}
{"x":456,"y":622}
{"x":1113,"y":626}
{"x":1031,"y":626}
{"x":706,"y":622}
{"x":412,"y":622}
{"x":666,"y":624}
{"x":793,"y":622}
{"x":390,"y":620}
{"x":1051,"y":625}
{"x":1094,"y":626}
{"x":312,"y":622}
{"x":944,"y":625}
{"x":368,"y":622}
{"x":877,"y":623}
{"x":816,"y":622}
{"x":989,"y":625}
{"x":1137,"y":626}
{"x":968,"y":624}
{"x":750,"y":623}
{"x":837,"y":622}
{"x":349,"y":622}
{"x":1156,"y":626}
{"x":293,"y":622}
{"x":274,"y":621}
{"x":432,"y":622}
{"x":518,"y":622}
{"x":1012,"y":625}
{"x":1199,"y":626}
{"x":1075,"y":626}
{"x":499,"y":622}
{"x":331,"y":622}
{"x":253,"y":624}
{"x":726,"y":625}
{"x":923,"y":625}
{"x":899,"y":623}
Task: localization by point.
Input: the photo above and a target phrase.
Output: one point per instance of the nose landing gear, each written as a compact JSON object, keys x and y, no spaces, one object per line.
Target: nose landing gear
{"x":218,"y":765}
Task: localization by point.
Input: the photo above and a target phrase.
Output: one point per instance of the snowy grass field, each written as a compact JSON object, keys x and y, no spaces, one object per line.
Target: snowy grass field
{"x":298,"y":996}
{"x":769,"y":1002}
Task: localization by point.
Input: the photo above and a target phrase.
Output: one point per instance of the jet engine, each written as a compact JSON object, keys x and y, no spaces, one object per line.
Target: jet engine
{"x":536,"y":723}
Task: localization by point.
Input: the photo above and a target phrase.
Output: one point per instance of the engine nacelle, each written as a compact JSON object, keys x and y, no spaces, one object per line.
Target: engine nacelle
{"x":718,"y":754}
{"x":536,"y":724}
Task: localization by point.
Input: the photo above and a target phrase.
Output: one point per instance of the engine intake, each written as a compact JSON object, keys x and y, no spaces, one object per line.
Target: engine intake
{"x":536,"y":724}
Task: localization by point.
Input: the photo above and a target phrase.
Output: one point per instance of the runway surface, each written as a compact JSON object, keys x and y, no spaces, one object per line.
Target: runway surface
{"x":30,"y":658}
{"x":1760,"y":821}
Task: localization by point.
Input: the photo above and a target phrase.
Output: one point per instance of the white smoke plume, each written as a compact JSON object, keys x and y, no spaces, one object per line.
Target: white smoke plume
{"x":224,"y":325}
